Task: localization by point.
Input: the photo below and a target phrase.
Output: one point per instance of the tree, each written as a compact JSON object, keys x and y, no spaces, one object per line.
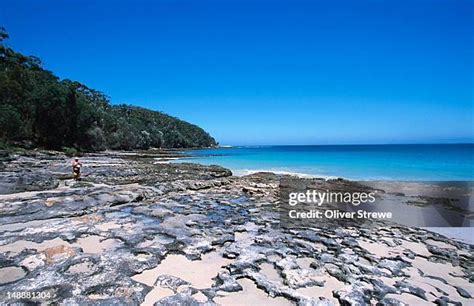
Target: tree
{"x":37,"y":107}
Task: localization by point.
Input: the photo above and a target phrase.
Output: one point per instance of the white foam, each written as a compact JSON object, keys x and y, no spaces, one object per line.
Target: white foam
{"x":281,"y":172}
{"x":165,"y":160}
{"x":463,"y":234}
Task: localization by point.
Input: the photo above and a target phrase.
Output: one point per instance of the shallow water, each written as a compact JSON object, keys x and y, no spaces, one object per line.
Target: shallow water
{"x":358,"y":162}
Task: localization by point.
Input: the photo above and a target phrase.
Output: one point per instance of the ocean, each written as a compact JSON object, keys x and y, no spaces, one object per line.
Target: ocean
{"x":433,"y":162}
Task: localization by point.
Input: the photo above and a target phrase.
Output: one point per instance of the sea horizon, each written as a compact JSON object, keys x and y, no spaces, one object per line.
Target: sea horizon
{"x":345,"y":144}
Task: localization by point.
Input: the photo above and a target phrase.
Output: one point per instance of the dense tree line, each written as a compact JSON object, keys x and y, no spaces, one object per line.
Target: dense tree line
{"x":39,"y":109}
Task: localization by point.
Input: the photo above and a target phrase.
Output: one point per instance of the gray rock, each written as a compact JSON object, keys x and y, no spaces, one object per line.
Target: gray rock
{"x":463,"y":292}
{"x":140,"y":212}
{"x":26,"y":180}
{"x":390,"y":302}
{"x":351,"y":295}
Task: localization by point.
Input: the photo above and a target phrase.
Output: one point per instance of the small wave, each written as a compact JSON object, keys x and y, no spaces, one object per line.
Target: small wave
{"x":165,"y":160}
{"x":282,"y":172}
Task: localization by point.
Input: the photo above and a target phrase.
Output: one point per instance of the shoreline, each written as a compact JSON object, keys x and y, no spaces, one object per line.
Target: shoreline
{"x":132,"y":221}
{"x":461,"y":234}
{"x":450,"y":162}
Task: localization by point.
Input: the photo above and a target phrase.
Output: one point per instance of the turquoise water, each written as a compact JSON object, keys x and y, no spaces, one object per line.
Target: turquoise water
{"x":364,"y":162}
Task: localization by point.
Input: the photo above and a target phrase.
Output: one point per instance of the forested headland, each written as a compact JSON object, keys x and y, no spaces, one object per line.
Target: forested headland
{"x":37,"y":109}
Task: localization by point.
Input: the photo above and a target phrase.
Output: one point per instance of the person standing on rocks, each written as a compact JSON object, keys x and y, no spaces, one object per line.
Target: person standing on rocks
{"x":76,"y":169}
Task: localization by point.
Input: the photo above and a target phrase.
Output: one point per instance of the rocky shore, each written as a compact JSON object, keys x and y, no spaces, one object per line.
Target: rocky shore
{"x":137,"y":230}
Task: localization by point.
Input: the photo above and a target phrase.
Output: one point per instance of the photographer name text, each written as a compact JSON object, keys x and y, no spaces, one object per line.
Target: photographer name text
{"x":337,"y":214}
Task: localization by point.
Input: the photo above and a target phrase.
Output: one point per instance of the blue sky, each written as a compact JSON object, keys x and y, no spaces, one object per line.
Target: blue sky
{"x":269,"y":72}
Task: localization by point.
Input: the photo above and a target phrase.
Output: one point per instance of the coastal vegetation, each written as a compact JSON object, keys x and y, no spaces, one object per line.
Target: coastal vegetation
{"x":39,"y":109}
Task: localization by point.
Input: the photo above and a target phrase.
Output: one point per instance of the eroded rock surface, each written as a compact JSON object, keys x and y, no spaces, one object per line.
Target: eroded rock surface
{"x":138,"y":231}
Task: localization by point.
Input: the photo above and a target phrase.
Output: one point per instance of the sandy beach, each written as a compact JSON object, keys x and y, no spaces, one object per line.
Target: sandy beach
{"x":134,"y":231}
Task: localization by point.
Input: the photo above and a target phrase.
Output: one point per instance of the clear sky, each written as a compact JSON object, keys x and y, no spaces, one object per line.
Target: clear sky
{"x":268,"y":72}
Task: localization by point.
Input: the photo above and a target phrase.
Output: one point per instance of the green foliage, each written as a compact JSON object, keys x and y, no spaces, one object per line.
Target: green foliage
{"x":36,"y":107}
{"x":9,"y":122}
{"x":70,"y":151}
{"x":6,"y":148}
